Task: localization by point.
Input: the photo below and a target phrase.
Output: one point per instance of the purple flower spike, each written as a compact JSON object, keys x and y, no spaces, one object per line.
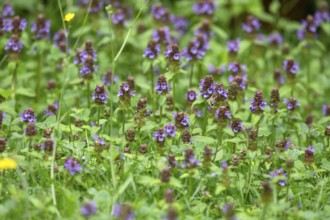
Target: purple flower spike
{"x":205,"y":7}
{"x":152,"y":50}
{"x":251,"y":25}
{"x":100,"y":96}
{"x":170,"y":129}
{"x":88,"y":209}
{"x":207,"y":87}
{"x":41,"y":29}
{"x":233,"y":46}
{"x":72,"y":165}
{"x":291,"y":103}
{"x":28,"y":116}
{"x":7,"y":10}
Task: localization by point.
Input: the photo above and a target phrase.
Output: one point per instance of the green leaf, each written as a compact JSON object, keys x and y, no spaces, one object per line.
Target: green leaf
{"x":26,"y":92}
{"x":204,"y":139}
{"x":5,"y":93}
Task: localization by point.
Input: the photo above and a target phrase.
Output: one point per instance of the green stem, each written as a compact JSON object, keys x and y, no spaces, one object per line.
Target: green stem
{"x":219,"y":142}
{"x":204,"y":121}
{"x":13,"y":84}
{"x":124,"y":119}
{"x":38,"y":75}
{"x":264,"y":212}
{"x":98,"y":115}
{"x":88,"y":94}
{"x":191,"y":74}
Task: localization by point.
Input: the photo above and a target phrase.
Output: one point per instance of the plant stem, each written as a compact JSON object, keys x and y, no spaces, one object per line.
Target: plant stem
{"x":98,"y":115}
{"x":124,"y":119}
{"x":13,"y":84}
{"x":191,"y":74}
{"x":204,"y":121}
{"x":88,"y":94}
{"x":219,"y":142}
{"x":38,"y":75}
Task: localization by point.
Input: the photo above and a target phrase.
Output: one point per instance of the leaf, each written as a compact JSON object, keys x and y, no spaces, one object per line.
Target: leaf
{"x":233,"y":107}
{"x":204,"y":139}
{"x":25,"y":92}
{"x":5,"y":93}
{"x":264,"y":132}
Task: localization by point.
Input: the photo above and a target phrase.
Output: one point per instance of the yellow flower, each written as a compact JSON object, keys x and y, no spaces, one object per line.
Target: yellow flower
{"x":7,"y":163}
{"x":68,"y":17}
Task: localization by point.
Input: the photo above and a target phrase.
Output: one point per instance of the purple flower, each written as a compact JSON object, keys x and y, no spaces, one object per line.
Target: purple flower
{"x":181,"y":120}
{"x":291,"y":103}
{"x":290,"y":66}
{"x":216,"y":70}
{"x":275,"y":39}
{"x":223,"y":113}
{"x":224,"y":165}
{"x":98,"y":141}
{"x":191,"y":95}
{"x":311,"y":149}
{"x":322,"y":15}
{"x":28,"y":116}
{"x":196,"y":48}
{"x":120,"y":17}
{"x":162,"y":35}
{"x":236,"y":126}
{"x":60,"y":40}
{"x":172,"y":53}
{"x":96,"y":5}
{"x":189,"y":159}
{"x":123,"y":212}
{"x":251,"y":25}
{"x":152,"y":50}
{"x":205,"y":7}
{"x":308,"y":28}
{"x":14,"y":45}
{"x":170,"y":129}
{"x":205,"y":30}
{"x":160,"y":136}
{"x":276,"y":173}
{"x":72,"y":165}
{"x":41,"y":29}
{"x":88,"y":209}
{"x":180,"y":24}
{"x":7,"y":10}
{"x":207,"y":87}
{"x":258,"y":103}
{"x":236,"y":68}
{"x":161,"y":85}
{"x":100,"y":96}
{"x":326,"y":110}
{"x":233,"y":46}
{"x":107,"y":78}
{"x":51,"y":109}
{"x":2,"y":117}
{"x":240,"y":80}
{"x":160,"y":13}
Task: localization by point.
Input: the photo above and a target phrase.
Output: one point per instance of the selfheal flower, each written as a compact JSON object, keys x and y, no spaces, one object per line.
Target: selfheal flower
{"x":236,"y":126}
{"x":326,"y":110}
{"x":160,"y":136}
{"x":186,"y":137}
{"x":196,"y":48}
{"x":152,"y":50}
{"x":233,"y":46}
{"x":123,"y":212}
{"x":28,"y":116}
{"x":251,"y":25}
{"x":87,"y":53}
{"x":2,"y":117}
{"x":17,"y":25}
{"x":180,"y":24}
{"x":125,"y":92}
{"x":291,"y":103}
{"x":99,"y":144}
{"x":7,"y":10}
{"x":60,"y":40}
{"x":322,"y":15}
{"x":274,"y":99}
{"x":236,"y":68}
{"x":283,"y":145}
{"x":96,"y":5}
{"x":181,"y":120}
{"x":162,"y":35}
{"x":308,"y":29}
{"x":276,"y":173}
{"x":205,"y":30}
{"x":228,"y":211}
{"x":278,"y":77}
{"x":207,"y":87}
{"x":173,"y":56}
{"x":161,"y":85}
{"x":31,"y":129}
{"x":120,"y":17}
{"x":100,"y":96}
{"x":41,"y":29}
{"x":309,"y":154}
{"x":160,"y":13}
{"x":107,"y":78}
{"x":14,"y":47}
{"x":205,"y":7}
{"x":72,"y":165}
{"x":258,"y":103}
{"x":141,"y":112}
{"x":51,"y":109}
{"x":290,"y":67}
{"x":219,"y":95}
{"x":275,"y":39}
{"x":191,"y":96}
{"x":222,"y":114}
{"x":189,"y":159}
{"x":239,"y":80}
{"x":88,"y":68}
{"x":88,"y":209}
{"x":170,"y":129}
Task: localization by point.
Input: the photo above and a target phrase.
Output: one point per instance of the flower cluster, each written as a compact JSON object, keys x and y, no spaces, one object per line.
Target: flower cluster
{"x":100,"y":96}
{"x":120,"y":16}
{"x":207,"y":87}
{"x":60,"y":40}
{"x":308,"y":29}
{"x":233,"y":47}
{"x":161,"y":85}
{"x":283,"y":145}
{"x":205,"y":7}
{"x":196,"y":48}
{"x":239,"y":80}
{"x":162,"y":36}
{"x":309,"y":154}
{"x":160,"y":136}
{"x":95,"y":5}
{"x":236,"y":126}
{"x":14,"y":47}
{"x":173,"y":56}
{"x":291,"y":103}
{"x":141,"y":112}
{"x":51,"y":109}
{"x":72,"y":165}
{"x":2,"y":117}
{"x":251,"y":25}
{"x":181,"y":120}
{"x":275,"y":39}
{"x":258,"y":103}
{"x":274,"y":99}
{"x":160,"y":13}
{"x":170,"y":129}
{"x":86,"y":58}
{"x":125,"y":92}
{"x":28,"y":116}
{"x":236,"y":68}
{"x":189,"y":159}
{"x":107,"y":78}
{"x":222,"y":114}
{"x":216,"y":70}
{"x":99,"y":144}
{"x":152,"y":50}
{"x":219,"y":95}
{"x":41,"y":29}
{"x":124,"y":212}
{"x":180,"y":24}
{"x":88,"y":209}
{"x":279,"y":173}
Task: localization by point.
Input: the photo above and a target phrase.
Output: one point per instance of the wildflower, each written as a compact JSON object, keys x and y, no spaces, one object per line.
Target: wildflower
{"x":141,"y":112}
{"x":123,"y":212}
{"x":107,"y":78}
{"x":326,"y":110}
{"x":308,"y":29}
{"x":68,"y":17}
{"x":88,"y":68}
{"x":258,"y":103}
{"x":233,"y":91}
{"x":219,"y":94}
{"x":28,"y":116}
{"x":267,"y":192}
{"x":205,"y":30}
{"x":7,"y":164}
{"x":207,"y":87}
{"x":51,"y":84}
{"x":207,"y":157}
{"x":186,"y":137}
{"x":173,"y":56}
{"x":189,"y":159}
{"x":291,"y":103}
{"x":162,"y":36}
{"x":96,"y":5}
{"x":233,"y":47}
{"x":41,"y":29}
{"x":99,"y":144}
{"x":170,"y":129}
{"x":278,"y":77}
{"x":181,"y":120}
{"x":216,"y":70}
{"x":169,"y":196}
{"x":16,"y":25}
{"x":191,"y":96}
{"x":3,"y":142}
{"x":169,"y":102}
{"x":309,"y":154}
{"x":100,"y":96}
{"x":160,"y":13}
{"x":253,"y":135}
{"x":60,"y":40}
{"x":7,"y":10}
{"x":48,"y":146}
{"x":290,"y":67}
{"x":143,"y":149}
{"x":180,"y":24}
{"x":161,"y":85}
{"x":228,"y":211}
{"x":172,"y":161}
{"x":14,"y":47}
{"x":222,"y":114}
{"x":51,"y":109}
{"x":283,"y":145}
{"x":322,"y":14}
{"x":309,"y":120}
{"x":205,"y":7}
{"x":125,"y":93}
{"x":275,"y":39}
{"x":47,"y":132}
{"x":72,"y":165}
{"x":276,"y":173}
{"x":152,"y":50}
{"x":2,"y":117}
{"x":327,"y":131}
{"x":274,"y":99}
{"x":88,"y":209}
{"x":130,"y":134}
{"x":165,"y":175}
{"x":120,"y":16}
{"x":31,"y":129}
{"x":196,"y":48}
{"x":171,"y":214}
{"x":160,"y":136}
{"x":251,"y":25}
{"x":236,"y":126}
{"x":236,"y":68}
